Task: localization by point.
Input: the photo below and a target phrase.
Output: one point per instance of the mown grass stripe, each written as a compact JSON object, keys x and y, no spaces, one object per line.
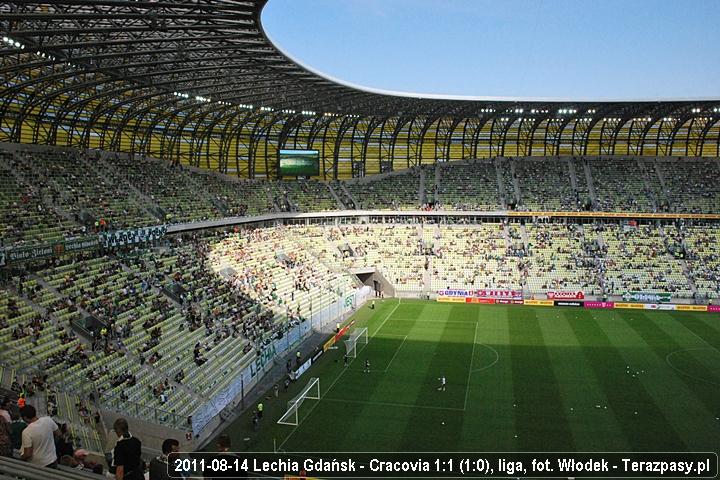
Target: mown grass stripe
{"x":609,"y":355}
{"x":539,"y":403}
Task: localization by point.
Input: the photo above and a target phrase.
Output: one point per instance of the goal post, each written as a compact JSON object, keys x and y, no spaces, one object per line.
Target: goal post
{"x":356,"y":337}
{"x":311,"y":391}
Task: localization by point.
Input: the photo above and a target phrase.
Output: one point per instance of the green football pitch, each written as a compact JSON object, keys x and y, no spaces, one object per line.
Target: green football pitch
{"x":518,"y":379}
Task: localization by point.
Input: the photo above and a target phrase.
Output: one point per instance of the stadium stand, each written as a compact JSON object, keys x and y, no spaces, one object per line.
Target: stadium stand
{"x":474,"y":257}
{"x":304,"y":196}
{"x":545,"y":185}
{"x":28,"y":211}
{"x":398,"y":191}
{"x":170,"y":187}
{"x":562,"y":258}
{"x":468,"y":186}
{"x":621,"y":186}
{"x":696,"y":190}
{"x":638,"y":260}
{"x":702,"y":247}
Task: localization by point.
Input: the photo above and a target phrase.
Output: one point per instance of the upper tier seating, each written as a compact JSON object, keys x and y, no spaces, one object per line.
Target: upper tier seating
{"x":469,"y":187}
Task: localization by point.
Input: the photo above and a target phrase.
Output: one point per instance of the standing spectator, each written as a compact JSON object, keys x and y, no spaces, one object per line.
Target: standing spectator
{"x":159,"y":464}
{"x":126,"y":463}
{"x":16,"y":428}
{"x":38,"y":438}
{"x":5,"y":409}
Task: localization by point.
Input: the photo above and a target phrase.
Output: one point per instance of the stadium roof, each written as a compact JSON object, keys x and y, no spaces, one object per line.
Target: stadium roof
{"x":201,"y":72}
{"x":218,"y":50}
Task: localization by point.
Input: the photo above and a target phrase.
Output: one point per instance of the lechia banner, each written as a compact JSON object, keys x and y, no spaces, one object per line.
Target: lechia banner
{"x":644,"y":297}
{"x":47,"y":250}
{"x":132,"y":236}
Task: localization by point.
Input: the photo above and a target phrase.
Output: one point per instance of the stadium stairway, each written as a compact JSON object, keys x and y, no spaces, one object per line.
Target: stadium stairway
{"x":516,"y":182}
{"x":436,"y":183}
{"x":684,"y":266}
{"x":334,"y":194}
{"x":524,"y":236}
{"x":573,"y":175}
{"x":500,"y":182}
{"x":590,"y":184}
{"x":642,"y":167}
{"x":13,"y":469}
{"x":663,"y":183}
{"x":148,"y":203}
{"x":349,"y":196}
{"x":104,"y":168}
{"x":421,"y":188}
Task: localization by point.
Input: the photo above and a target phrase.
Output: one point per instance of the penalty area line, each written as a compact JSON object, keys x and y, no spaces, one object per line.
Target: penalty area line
{"x":470,"y":370}
{"x":393,"y":404}
{"x":322,"y":397}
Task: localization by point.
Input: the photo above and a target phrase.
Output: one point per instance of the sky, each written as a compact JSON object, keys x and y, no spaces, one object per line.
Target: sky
{"x":569,"y":49}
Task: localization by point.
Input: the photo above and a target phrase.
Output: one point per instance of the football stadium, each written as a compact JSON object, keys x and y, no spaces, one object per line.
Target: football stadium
{"x":211,"y":254}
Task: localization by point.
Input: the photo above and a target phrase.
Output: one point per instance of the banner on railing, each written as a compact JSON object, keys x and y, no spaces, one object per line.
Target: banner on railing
{"x":646,"y":297}
{"x":47,"y":250}
{"x":132,"y":236}
{"x":481,"y":293}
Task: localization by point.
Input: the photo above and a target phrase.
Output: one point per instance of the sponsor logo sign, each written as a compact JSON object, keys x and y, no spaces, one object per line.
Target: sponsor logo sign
{"x":568,"y":303}
{"x":599,"y":305}
{"x":488,"y":301}
{"x":329,"y":344}
{"x":317,"y":355}
{"x":628,"y":305}
{"x":451,"y":299}
{"x":692,"y":308}
{"x":540,"y":303}
{"x":713,"y":308}
{"x":659,"y":306}
{"x":508,"y":301}
{"x":577,"y":295}
{"x":482,"y":293}
{"x":491,"y":293}
{"x":302,"y":369}
{"x":454,"y":293}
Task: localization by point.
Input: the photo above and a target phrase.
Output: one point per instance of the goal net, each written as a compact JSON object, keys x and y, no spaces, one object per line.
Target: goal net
{"x":311,"y":391}
{"x":356,"y":337}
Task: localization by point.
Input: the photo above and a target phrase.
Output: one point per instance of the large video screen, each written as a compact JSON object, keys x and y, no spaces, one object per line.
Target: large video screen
{"x":299,"y":163}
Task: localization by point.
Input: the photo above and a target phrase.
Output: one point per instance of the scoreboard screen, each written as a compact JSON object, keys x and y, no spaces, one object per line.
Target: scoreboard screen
{"x":299,"y":163}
